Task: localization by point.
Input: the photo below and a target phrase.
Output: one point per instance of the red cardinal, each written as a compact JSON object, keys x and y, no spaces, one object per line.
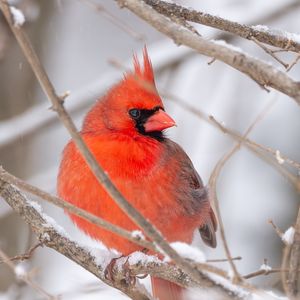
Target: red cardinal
{"x":124,"y":131}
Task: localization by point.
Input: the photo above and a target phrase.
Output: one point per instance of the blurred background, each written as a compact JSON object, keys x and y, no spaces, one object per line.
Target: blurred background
{"x":76,"y":41}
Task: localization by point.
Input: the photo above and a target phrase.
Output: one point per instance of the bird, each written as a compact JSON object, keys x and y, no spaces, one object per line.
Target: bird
{"x":125,"y":131}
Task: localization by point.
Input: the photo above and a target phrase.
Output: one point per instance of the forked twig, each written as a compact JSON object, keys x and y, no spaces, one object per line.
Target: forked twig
{"x":213,"y":183}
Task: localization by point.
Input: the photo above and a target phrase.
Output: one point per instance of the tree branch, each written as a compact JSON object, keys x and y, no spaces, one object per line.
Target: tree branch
{"x":52,"y":237}
{"x":284,"y":40}
{"x":294,"y":264}
{"x":261,"y":72}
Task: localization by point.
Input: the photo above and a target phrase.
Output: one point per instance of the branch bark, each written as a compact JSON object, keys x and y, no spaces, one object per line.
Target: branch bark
{"x":283,"y":41}
{"x":294,"y":264}
{"x":261,"y":72}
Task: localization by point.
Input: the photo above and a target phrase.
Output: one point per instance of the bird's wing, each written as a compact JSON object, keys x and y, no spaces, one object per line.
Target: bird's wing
{"x":196,"y":193}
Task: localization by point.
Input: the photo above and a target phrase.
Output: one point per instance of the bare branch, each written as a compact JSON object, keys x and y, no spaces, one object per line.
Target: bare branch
{"x":266,"y":272}
{"x":113,"y":19}
{"x":293,"y":63}
{"x":25,"y":276}
{"x":294,"y":264}
{"x":223,"y":259}
{"x":276,"y":228}
{"x":248,"y":32}
{"x":261,"y":72}
{"x":27,"y":255}
{"x":270,"y":52}
{"x":213,"y":184}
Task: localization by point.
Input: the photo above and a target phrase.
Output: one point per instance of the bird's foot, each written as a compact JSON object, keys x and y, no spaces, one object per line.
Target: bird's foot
{"x":110,"y":271}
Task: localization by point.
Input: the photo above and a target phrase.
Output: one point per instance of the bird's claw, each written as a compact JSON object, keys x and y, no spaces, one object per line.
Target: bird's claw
{"x":109,"y":270}
{"x":128,"y":278}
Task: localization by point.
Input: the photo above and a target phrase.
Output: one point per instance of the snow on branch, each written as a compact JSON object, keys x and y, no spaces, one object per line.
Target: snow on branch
{"x":278,"y":38}
{"x":53,"y":236}
{"x":18,"y":16}
{"x":261,"y":72}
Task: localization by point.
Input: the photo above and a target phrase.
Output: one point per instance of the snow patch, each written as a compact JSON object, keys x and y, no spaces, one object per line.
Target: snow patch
{"x":284,"y":34}
{"x":45,"y":236}
{"x":102,"y":257}
{"x":187,"y":251}
{"x":21,"y":270}
{"x":266,"y":295}
{"x":265,"y":267}
{"x":49,"y":222}
{"x":139,"y":257}
{"x":288,"y":236}
{"x":138,"y":235}
{"x":230,"y":274}
{"x":18,"y":16}
{"x":279,"y":159}
{"x":261,"y":28}
{"x":227,"y":284}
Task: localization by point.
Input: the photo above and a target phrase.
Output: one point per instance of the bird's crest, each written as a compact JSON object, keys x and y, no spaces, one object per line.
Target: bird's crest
{"x":145,"y":72}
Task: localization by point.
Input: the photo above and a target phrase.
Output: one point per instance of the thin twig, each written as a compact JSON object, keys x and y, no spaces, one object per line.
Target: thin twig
{"x":276,"y":228}
{"x":26,"y":278}
{"x":294,"y":263}
{"x":266,"y":272}
{"x":115,"y":20}
{"x":293,"y":63}
{"x":270,"y":52}
{"x":259,"y":150}
{"x":264,"y":36}
{"x":213,"y":185}
{"x":223,"y":259}
{"x":284,"y":266}
{"x":27,"y":255}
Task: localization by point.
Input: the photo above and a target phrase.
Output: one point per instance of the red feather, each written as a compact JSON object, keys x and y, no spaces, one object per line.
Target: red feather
{"x":152,"y":172}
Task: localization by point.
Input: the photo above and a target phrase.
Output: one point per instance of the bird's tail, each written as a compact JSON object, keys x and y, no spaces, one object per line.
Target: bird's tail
{"x":166,"y":290}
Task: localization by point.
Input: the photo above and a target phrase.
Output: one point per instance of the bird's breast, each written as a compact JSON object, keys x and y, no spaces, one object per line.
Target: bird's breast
{"x":144,"y":175}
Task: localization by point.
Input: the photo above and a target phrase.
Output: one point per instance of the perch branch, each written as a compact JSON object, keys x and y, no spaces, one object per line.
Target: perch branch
{"x":283,"y":40}
{"x":53,"y":238}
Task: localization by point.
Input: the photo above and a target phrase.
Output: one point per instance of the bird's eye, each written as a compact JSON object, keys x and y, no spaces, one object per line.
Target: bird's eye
{"x":135,"y":113}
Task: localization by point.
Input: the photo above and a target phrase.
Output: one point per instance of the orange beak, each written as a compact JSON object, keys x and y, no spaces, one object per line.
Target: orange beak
{"x":159,"y":121}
